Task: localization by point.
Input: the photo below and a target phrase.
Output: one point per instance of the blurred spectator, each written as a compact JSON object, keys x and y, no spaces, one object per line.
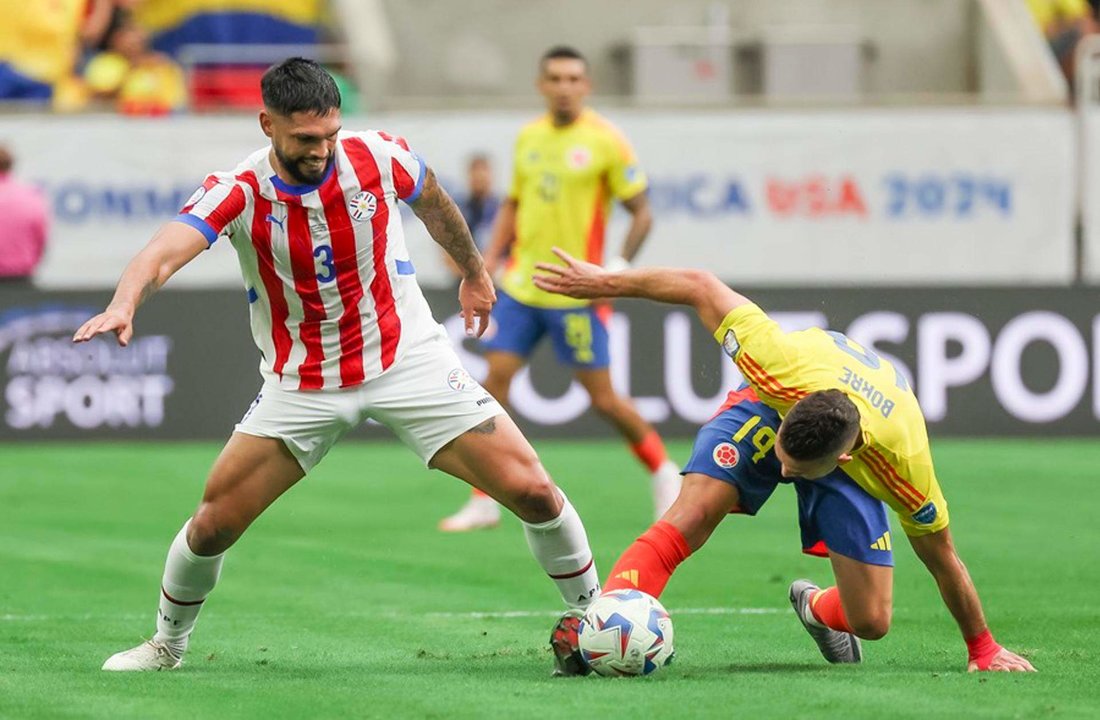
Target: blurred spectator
{"x":1064,"y":23}
{"x":142,"y":81}
{"x":38,"y":48}
{"x":479,"y":205}
{"x":24,"y":222}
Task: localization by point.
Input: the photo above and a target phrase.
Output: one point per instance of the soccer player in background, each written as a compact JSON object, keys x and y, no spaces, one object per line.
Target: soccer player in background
{"x":841,"y":406}
{"x":569,"y":166}
{"x":344,"y":334}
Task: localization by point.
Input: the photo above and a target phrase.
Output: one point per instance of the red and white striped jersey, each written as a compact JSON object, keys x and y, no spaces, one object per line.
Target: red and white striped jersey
{"x":332,"y":293}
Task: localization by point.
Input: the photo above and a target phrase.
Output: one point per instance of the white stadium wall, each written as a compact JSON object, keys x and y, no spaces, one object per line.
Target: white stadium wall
{"x":855,"y":197}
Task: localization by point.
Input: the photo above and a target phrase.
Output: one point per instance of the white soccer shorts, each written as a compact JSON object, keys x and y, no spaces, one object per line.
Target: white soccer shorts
{"x":426,"y":398}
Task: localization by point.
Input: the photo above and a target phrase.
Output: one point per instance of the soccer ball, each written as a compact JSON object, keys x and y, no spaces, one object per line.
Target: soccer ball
{"x":626,"y":632}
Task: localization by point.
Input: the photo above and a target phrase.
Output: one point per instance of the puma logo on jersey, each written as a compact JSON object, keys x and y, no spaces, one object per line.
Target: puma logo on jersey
{"x":275,"y":221}
{"x":883,"y":543}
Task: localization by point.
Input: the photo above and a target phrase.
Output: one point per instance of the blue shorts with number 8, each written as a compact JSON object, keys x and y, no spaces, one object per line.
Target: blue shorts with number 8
{"x":579,"y":334}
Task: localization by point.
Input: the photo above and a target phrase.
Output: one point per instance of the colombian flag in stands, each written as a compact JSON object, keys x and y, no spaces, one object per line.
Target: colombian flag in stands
{"x":174,"y":23}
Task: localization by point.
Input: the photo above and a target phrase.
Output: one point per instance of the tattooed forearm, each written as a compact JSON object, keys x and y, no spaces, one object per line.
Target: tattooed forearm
{"x":445,"y":224}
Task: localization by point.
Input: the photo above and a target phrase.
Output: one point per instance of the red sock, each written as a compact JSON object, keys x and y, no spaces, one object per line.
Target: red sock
{"x":479,"y":493}
{"x":825,"y":605}
{"x":649,"y":562}
{"x":650,"y":450}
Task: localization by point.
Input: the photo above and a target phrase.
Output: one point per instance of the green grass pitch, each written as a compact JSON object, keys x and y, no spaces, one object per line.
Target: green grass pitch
{"x":344,"y":601}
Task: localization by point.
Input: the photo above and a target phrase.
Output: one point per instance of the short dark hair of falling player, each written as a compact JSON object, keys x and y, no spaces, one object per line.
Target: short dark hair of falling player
{"x":819,"y":425}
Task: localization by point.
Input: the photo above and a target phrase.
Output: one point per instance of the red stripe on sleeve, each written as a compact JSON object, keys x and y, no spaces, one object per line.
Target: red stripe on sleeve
{"x":348,"y":281}
{"x":403,"y":183}
{"x":900,"y":487}
{"x":389,"y":324}
{"x":261,"y":243}
{"x":400,"y":141}
{"x":764,"y":382}
{"x":227,"y":210}
{"x":303,"y":266}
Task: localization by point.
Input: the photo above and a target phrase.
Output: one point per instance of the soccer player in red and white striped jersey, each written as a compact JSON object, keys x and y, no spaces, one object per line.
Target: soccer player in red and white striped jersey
{"x":345,"y":335}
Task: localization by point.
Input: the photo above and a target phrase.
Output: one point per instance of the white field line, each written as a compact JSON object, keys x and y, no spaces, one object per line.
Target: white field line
{"x":555,"y":613}
{"x":474,"y":615}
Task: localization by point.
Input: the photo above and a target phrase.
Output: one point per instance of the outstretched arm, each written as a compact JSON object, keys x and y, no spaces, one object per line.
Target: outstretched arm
{"x":937,"y":552}
{"x":445,"y":224}
{"x":174,"y":245}
{"x":709,"y":296}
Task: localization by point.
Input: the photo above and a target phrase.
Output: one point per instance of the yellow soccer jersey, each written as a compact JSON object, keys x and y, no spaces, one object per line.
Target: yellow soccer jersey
{"x":894,"y":462}
{"x":564,"y":180}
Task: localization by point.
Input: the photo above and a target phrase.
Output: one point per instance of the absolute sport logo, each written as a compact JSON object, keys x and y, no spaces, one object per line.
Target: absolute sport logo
{"x":49,"y":381}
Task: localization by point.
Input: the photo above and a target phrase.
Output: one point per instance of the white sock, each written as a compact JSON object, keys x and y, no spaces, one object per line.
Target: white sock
{"x":561,"y":548}
{"x":666,"y":486}
{"x":188,"y":579}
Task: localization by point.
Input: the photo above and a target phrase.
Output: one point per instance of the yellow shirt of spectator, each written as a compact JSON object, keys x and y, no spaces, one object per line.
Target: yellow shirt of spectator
{"x":894,"y":461}
{"x":564,"y":181}
{"x":39,"y":39}
{"x":1046,"y":12}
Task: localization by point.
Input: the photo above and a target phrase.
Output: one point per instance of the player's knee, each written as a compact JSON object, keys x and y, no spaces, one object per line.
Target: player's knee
{"x":537,"y":499}
{"x":872,"y":626}
{"x":209,"y":532}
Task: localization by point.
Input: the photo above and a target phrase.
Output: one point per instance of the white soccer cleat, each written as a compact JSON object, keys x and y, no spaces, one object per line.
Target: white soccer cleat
{"x":479,"y":512}
{"x":666,"y":487}
{"x":150,"y":655}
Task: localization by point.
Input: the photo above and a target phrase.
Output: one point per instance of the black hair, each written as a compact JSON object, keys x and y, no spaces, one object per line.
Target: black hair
{"x":559,"y":52}
{"x":299,"y":85}
{"x":819,"y":425}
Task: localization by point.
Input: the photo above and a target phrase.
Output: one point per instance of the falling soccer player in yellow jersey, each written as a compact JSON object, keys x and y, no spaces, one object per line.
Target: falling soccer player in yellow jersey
{"x":872,"y":429}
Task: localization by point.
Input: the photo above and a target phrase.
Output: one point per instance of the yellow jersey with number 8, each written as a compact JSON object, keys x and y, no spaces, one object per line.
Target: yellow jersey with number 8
{"x":894,"y":461}
{"x":564,"y":180}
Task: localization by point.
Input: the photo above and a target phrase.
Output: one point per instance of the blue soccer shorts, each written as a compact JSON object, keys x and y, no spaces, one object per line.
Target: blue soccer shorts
{"x":834,"y":513}
{"x":579,"y":335}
